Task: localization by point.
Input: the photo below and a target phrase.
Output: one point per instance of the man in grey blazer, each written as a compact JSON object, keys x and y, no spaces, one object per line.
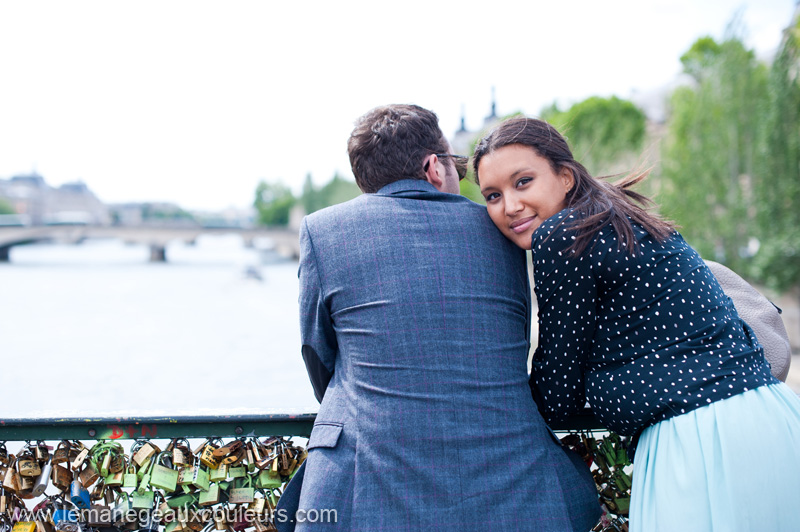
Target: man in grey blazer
{"x":415,"y":322}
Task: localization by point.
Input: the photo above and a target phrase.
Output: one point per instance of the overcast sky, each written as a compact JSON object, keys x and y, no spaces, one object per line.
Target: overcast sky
{"x":194,"y":102}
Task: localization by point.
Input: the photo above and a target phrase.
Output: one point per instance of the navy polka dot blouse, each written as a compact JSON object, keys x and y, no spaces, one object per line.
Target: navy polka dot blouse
{"x":641,"y":338}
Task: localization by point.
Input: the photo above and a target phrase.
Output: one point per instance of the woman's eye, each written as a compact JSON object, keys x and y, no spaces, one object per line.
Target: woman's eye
{"x":524,"y":181}
{"x":492,"y":196}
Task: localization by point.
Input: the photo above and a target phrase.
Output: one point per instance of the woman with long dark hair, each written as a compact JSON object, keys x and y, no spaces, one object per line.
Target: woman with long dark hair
{"x":632,"y":321}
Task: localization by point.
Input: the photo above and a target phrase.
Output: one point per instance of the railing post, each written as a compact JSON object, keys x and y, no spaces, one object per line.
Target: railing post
{"x":158,"y":253}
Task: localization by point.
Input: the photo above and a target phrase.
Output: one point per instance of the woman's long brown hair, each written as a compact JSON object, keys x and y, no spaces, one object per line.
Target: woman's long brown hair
{"x":595,"y":201}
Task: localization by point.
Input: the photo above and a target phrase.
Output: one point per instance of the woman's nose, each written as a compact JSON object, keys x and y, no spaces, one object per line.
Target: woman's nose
{"x":512,"y":204}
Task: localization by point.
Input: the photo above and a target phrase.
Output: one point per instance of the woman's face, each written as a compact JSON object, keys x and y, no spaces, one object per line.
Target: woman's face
{"x":521,"y":190}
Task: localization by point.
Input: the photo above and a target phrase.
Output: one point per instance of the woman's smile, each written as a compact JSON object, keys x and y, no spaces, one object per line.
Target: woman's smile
{"x":521,"y":190}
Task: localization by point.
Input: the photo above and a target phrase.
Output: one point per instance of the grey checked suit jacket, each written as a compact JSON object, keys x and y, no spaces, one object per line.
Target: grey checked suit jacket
{"x":415,"y":316}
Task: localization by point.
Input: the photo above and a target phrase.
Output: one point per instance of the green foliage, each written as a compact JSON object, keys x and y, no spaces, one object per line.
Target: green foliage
{"x":273,"y":202}
{"x":600,"y":131}
{"x":710,"y":152}
{"x":777,"y":183}
{"x":6,"y":208}
{"x":337,"y":190}
{"x":156,"y":211}
{"x":699,"y":61}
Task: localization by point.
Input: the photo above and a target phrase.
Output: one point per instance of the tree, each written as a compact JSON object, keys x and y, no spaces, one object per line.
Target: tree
{"x":337,"y":190}
{"x":602,"y":132}
{"x":6,"y":208}
{"x":709,"y":155}
{"x":273,"y":202}
{"x":777,"y":183}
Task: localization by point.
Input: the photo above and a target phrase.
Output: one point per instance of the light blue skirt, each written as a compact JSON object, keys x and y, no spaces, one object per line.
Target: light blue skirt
{"x":733,"y":465}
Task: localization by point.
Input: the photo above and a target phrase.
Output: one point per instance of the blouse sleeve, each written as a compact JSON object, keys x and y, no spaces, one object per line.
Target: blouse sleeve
{"x":566,"y":294}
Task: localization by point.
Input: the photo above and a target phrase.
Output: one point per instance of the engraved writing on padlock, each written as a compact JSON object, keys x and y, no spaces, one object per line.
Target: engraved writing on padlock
{"x":24,"y":526}
{"x":243,"y":494}
{"x":28,"y":466}
{"x":219,"y":474}
{"x":207,"y":457}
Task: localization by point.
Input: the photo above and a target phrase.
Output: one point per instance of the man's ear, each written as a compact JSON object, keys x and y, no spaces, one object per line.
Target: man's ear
{"x":432,"y":173}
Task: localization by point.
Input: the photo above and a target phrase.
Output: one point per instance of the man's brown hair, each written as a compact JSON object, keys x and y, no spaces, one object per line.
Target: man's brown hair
{"x":389,"y":143}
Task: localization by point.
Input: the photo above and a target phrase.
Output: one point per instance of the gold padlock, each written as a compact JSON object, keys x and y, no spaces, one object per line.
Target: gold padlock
{"x":27,"y":464}
{"x":61,"y":477}
{"x":144,"y":453}
{"x":11,"y":479}
{"x":26,"y":485}
{"x":41,"y":451}
{"x":88,"y":475}
{"x":24,"y":526}
{"x":258,"y":506}
{"x":61,"y":454}
{"x":220,"y":521}
{"x":207,"y":457}
{"x":181,"y":454}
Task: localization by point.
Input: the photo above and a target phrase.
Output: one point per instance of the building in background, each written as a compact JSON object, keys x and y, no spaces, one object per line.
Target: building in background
{"x":40,"y":204}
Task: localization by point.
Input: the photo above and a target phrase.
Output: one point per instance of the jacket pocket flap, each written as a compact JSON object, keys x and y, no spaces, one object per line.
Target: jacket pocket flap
{"x":324,"y":435}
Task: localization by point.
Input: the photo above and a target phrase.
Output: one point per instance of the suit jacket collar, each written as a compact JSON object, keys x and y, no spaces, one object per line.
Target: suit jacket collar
{"x":408,"y":187}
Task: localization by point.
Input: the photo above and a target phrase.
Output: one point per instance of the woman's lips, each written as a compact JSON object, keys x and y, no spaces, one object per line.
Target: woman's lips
{"x":520,"y":226}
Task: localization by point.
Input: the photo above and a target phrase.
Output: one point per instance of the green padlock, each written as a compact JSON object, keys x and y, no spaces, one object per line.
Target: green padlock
{"x":218,"y":475}
{"x":267,"y":480}
{"x":129,"y":478}
{"x":195,"y":477}
{"x":210,"y":497}
{"x":273,"y":499}
{"x":144,"y":481}
{"x":242,"y":493}
{"x":143,"y":501}
{"x":200,"y":478}
{"x":123,"y":506}
{"x":182,"y":501}
{"x":162,"y":476}
{"x":237,"y":472}
{"x":114,"y":479}
{"x":144,"y":468}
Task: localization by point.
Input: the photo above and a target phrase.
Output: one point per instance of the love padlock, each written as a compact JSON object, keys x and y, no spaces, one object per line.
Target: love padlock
{"x":162,"y":475}
{"x":79,"y":495}
{"x":27,"y":464}
{"x":242,"y":492}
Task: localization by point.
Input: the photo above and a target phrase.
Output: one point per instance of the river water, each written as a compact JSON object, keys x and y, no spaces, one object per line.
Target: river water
{"x":96,"y":330}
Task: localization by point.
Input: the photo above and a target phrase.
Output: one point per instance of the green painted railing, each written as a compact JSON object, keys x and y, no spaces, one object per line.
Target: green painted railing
{"x":131,"y":428}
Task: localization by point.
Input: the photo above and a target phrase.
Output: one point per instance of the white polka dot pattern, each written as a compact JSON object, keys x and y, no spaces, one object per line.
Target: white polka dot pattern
{"x":641,"y":337}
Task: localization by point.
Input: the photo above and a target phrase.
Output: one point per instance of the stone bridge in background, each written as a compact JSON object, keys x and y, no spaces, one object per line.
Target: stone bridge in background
{"x":283,"y":241}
